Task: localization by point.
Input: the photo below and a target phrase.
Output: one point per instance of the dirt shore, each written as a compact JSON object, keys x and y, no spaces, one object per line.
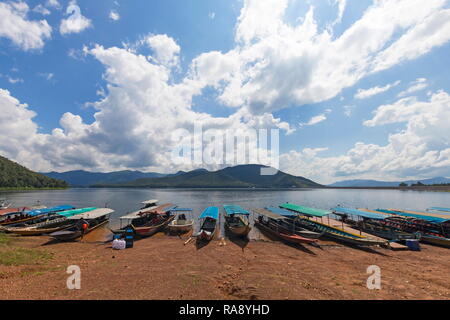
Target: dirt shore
{"x":162,"y":267}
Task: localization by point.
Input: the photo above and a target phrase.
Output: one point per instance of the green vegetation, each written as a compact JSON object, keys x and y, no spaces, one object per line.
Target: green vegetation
{"x":22,"y":256}
{"x":242,"y":176}
{"x":14,"y":256}
{"x":14,"y":176}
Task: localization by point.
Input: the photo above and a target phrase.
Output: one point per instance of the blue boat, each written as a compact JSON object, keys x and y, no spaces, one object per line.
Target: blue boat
{"x":373,"y":223}
{"x":27,"y":216}
{"x":209,"y":218}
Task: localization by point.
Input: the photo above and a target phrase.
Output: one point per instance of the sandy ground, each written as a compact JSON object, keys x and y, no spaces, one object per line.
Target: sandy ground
{"x":161,"y":267}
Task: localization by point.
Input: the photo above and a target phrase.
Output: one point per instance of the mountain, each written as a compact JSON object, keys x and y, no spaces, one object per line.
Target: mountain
{"x":13,"y":175}
{"x":375,"y":183}
{"x":242,"y":176}
{"x":81,"y":178}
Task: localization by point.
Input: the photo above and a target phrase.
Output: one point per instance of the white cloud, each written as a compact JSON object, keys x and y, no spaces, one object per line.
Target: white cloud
{"x":53,"y":4}
{"x":166,"y":50}
{"x":277,"y":65}
{"x":14,"y":25}
{"x":418,"y":85}
{"x":316,"y":119}
{"x":364,"y":94}
{"x":341,"y":9}
{"x":41,"y":9}
{"x":114,"y":15}
{"x":421,"y":150}
{"x":212,"y":15}
{"x":118,"y":138}
{"x":76,"y":22}
{"x":15,"y":80}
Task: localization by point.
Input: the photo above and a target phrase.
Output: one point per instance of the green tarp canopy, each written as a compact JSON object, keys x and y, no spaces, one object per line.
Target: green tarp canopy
{"x":71,"y":213}
{"x":305,"y":210}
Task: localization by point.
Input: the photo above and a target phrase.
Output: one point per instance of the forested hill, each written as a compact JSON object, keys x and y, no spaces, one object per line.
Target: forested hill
{"x":13,"y":175}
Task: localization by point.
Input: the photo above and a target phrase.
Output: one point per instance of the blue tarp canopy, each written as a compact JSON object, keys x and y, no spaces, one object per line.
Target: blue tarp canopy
{"x":210,"y":212}
{"x":355,"y":212}
{"x":38,"y":212}
{"x":440,"y":209}
{"x":235,"y":209}
{"x":418,"y":216}
{"x":180,"y":209}
{"x":281,"y":212}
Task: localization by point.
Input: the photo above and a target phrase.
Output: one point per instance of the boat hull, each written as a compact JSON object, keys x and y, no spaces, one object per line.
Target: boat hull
{"x":442,"y":242}
{"x":174,"y":228}
{"x":68,"y":234}
{"x":147,"y":231}
{"x":291,"y":238}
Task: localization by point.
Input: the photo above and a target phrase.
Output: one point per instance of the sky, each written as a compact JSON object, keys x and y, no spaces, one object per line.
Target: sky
{"x":358,"y":89}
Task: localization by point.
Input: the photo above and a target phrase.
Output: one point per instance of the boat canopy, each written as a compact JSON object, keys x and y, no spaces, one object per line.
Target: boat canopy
{"x":428,"y":214}
{"x":269,"y":214}
{"x":355,"y":212}
{"x":38,"y":212}
{"x":93,"y":214}
{"x":418,"y":216}
{"x":281,"y":212}
{"x":235,"y":209}
{"x":180,"y":209}
{"x":161,"y":209}
{"x":210,"y":212}
{"x":150,"y":201}
{"x":305,"y":210}
{"x":439,"y":209}
{"x":70,"y":213}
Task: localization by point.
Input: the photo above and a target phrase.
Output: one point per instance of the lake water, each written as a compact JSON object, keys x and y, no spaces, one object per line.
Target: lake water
{"x":127,"y":200}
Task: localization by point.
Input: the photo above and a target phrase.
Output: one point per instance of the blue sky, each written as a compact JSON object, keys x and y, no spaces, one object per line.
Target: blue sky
{"x":358,"y":89}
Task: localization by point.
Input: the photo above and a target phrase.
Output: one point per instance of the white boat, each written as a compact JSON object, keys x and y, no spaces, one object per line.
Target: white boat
{"x":183,"y":221}
{"x":4,"y":204}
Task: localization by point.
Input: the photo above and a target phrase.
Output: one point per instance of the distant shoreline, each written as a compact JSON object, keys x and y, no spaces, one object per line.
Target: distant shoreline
{"x":418,"y":188}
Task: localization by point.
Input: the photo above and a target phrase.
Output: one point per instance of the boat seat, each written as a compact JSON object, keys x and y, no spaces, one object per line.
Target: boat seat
{"x":180,"y":222}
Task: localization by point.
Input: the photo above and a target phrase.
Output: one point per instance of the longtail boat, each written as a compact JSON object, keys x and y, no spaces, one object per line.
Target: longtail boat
{"x":147,"y":222}
{"x":436,"y":240}
{"x":209,"y":219}
{"x":16,"y":218}
{"x":82,"y":224}
{"x":272,"y":224}
{"x":236,"y":220}
{"x":430,"y":232}
{"x":432,"y":223}
{"x":289,"y":223}
{"x":334,"y":232}
{"x":371,"y":222}
{"x":48,"y":224}
{"x":440,"y":209}
{"x":183,"y":221}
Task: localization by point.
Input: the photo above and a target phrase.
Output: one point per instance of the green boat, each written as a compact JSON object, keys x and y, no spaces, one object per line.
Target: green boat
{"x":332,"y":232}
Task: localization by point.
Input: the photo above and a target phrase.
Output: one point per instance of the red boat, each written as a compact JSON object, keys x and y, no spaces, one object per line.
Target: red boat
{"x":274,"y":229}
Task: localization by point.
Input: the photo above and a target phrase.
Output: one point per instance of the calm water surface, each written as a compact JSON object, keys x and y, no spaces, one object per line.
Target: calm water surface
{"x":127,"y":200}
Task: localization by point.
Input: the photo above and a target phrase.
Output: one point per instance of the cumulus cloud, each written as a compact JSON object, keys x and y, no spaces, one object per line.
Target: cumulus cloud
{"x":24,"y":33}
{"x":273,"y":65}
{"x":166,"y":50}
{"x":76,"y":22}
{"x":41,"y":9}
{"x":421,"y":150}
{"x":118,"y":138}
{"x":316,"y":119}
{"x":417,"y":85}
{"x":365,"y":94}
{"x":277,"y":65}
